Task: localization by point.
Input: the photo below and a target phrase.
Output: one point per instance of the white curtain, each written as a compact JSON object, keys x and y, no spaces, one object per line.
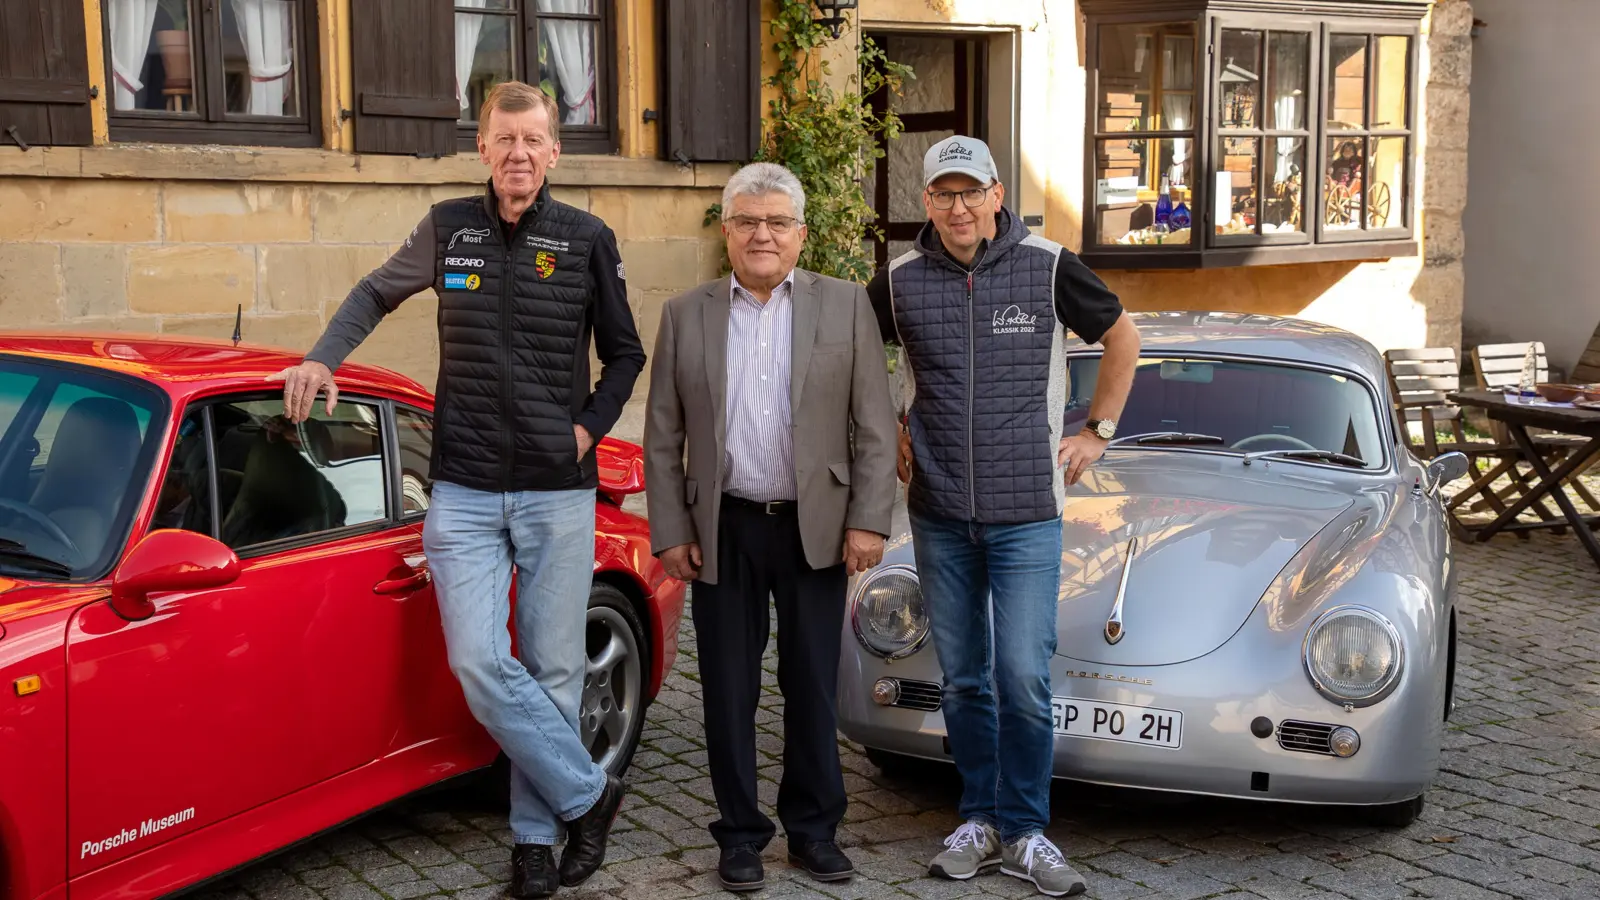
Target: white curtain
{"x":572,"y":54}
{"x":467,"y":28}
{"x":132,"y":22}
{"x":267,"y":29}
{"x":1175,"y":116}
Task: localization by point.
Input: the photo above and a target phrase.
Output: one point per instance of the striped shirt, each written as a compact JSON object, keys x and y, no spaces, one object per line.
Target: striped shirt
{"x":759,"y":463}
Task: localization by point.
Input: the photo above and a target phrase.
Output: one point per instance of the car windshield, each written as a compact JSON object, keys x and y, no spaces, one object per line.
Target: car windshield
{"x":1238,"y":407}
{"x":75,"y":449}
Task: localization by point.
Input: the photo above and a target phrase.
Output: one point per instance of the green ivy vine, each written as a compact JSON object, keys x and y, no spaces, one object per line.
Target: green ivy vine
{"x":827,"y":139}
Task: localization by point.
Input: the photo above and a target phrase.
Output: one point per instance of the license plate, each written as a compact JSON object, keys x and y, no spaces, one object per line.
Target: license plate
{"x":1096,"y":719}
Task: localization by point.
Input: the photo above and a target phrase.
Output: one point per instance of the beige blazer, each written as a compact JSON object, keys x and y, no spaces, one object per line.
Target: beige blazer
{"x":841,"y":419}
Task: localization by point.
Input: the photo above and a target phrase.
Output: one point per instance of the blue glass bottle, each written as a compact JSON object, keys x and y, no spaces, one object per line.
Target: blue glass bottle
{"x":1163,"y":206}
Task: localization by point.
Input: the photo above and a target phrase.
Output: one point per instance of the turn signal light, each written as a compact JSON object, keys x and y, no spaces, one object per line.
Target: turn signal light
{"x":1344,"y":742}
{"x":29,"y":684}
{"x":886,"y":692}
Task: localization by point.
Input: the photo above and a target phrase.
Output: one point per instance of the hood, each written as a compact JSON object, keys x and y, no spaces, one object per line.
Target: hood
{"x":1008,"y":232}
{"x":1207,"y":538}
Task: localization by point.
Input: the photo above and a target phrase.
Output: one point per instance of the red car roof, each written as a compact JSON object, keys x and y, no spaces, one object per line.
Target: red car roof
{"x":186,"y":365}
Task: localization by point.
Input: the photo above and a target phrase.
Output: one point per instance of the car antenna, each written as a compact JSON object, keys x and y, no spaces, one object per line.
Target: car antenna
{"x":238,"y":318}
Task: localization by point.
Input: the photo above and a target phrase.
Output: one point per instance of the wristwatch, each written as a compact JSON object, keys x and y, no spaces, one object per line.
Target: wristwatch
{"x":1103,"y":428}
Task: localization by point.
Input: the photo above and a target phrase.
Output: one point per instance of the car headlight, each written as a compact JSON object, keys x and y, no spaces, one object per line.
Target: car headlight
{"x":889,"y":617}
{"x":1353,"y":655}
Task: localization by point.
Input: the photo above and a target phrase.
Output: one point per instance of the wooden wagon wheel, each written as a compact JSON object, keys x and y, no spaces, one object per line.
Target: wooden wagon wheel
{"x":1338,"y":204}
{"x":1378,"y":205}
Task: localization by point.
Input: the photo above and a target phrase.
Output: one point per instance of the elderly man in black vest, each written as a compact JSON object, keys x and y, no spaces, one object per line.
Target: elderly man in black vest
{"x":982,"y":307}
{"x":524,"y":282}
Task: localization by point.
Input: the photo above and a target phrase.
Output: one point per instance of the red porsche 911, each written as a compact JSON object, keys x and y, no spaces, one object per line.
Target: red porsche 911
{"x":217,"y":631}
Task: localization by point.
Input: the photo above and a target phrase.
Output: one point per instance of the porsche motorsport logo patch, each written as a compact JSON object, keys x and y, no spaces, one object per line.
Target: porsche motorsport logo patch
{"x":544,"y":262}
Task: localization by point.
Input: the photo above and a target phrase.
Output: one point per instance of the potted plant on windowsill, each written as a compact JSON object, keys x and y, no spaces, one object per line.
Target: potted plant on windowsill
{"x":174,"y":47}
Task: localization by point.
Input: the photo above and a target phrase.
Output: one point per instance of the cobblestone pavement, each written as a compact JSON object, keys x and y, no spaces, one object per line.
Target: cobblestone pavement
{"x":1514,"y":813}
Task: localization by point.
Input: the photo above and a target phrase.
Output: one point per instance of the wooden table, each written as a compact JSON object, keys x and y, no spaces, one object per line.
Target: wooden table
{"x":1518,"y":418}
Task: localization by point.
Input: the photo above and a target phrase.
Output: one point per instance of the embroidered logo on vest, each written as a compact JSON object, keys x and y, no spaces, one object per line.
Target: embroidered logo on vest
{"x":1012,"y":320}
{"x":544,"y":262}
{"x":538,"y":240}
{"x":468,"y":236}
{"x":457,"y":281}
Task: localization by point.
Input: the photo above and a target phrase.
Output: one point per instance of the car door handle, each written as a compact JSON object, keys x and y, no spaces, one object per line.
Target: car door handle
{"x":402,"y":584}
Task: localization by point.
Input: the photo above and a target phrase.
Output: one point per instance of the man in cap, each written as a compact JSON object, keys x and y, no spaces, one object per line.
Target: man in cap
{"x":981,"y":307}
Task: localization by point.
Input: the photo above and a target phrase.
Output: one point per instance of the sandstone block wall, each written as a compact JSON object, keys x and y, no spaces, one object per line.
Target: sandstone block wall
{"x":181,"y":257}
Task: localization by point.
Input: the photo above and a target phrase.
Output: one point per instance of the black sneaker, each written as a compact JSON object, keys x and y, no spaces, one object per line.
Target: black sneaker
{"x":586,"y":835}
{"x":533,"y":871}
{"x":740,"y":868}
{"x":822,"y":860}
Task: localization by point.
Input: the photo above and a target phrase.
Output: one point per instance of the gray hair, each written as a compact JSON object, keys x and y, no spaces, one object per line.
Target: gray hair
{"x":758,"y":179}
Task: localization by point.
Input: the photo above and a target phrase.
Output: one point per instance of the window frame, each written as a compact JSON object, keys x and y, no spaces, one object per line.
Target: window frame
{"x":1320,"y":20}
{"x":599,"y":139}
{"x":397,"y":484}
{"x":212,"y":124}
{"x":388,"y":444}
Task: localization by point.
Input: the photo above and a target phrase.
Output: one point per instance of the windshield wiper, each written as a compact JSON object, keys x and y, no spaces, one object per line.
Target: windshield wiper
{"x":11,"y":551}
{"x":1343,"y":459}
{"x":1170,"y":437}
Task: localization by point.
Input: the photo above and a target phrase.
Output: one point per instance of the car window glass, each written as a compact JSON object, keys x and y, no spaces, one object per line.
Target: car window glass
{"x":278,"y":479}
{"x":1250,"y":405}
{"x":415,"y":431}
{"x":73,"y":463}
{"x":185,"y":499}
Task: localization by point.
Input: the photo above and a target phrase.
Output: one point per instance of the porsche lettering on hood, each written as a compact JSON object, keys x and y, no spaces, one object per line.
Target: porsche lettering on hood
{"x":1203,"y":551}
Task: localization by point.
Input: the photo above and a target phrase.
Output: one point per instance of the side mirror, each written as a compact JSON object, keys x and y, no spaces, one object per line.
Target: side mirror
{"x":1447,"y":467}
{"x":169,"y":559}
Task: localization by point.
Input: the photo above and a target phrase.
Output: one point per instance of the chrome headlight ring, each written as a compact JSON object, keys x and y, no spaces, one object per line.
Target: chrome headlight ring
{"x":1387,"y":629}
{"x":856,"y":604}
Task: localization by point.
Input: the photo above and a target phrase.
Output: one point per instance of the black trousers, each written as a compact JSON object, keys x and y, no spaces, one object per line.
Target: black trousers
{"x":760,"y":555}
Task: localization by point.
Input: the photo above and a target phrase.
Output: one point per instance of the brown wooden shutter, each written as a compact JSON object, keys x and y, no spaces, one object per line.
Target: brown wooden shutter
{"x":403,"y":55}
{"x":44,"y":73}
{"x":711,"y":96}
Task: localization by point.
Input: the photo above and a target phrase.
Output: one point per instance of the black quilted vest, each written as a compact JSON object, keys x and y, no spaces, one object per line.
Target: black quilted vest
{"x":514,"y":325}
{"x":984,"y":349}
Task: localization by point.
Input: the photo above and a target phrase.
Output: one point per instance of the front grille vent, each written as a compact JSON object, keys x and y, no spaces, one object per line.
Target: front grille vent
{"x":922,"y":695}
{"x":1306,"y":737}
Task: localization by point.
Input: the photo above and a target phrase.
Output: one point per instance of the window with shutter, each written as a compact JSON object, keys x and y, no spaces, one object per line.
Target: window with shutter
{"x":403,"y":55}
{"x":711,"y":93}
{"x":44,"y":74}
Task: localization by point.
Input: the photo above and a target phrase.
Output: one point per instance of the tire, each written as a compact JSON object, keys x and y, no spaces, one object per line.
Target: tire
{"x":611,"y":716}
{"x":611,"y":617}
{"x":1395,"y":815}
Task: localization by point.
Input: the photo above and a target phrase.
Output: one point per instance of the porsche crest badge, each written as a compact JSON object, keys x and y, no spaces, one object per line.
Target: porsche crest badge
{"x":544,"y":262}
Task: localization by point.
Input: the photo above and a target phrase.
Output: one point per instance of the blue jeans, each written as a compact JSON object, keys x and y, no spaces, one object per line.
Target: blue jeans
{"x":529,"y":702}
{"x":996,"y":686}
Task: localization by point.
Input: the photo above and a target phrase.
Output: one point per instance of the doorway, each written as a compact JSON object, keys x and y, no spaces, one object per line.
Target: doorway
{"x":949,"y":96}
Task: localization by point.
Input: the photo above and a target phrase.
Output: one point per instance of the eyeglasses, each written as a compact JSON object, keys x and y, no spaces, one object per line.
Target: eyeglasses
{"x":972,"y":197}
{"x":775,"y":224}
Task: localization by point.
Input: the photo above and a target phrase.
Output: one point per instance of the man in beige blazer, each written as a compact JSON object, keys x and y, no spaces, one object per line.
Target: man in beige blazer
{"x":775,"y":381}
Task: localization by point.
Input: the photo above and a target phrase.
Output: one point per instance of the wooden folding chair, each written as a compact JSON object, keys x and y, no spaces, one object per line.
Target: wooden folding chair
{"x":1498,"y":366}
{"x":1420,"y":380}
{"x":1587,"y":371}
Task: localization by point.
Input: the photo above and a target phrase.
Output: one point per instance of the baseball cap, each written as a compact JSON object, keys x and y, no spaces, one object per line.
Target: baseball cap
{"x":959,"y":155}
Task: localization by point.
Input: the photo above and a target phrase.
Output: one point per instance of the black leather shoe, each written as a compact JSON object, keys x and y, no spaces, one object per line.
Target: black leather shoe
{"x":533,"y":871}
{"x":740,"y":868}
{"x":822,"y":860}
{"x":586,"y":835}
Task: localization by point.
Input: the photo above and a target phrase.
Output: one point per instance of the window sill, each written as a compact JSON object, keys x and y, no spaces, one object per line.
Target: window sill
{"x":206,"y":162}
{"x":1237,"y":257}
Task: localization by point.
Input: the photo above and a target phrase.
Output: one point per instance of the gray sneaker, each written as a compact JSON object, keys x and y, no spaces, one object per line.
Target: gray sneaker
{"x":971,"y":848}
{"x":1037,"y":860}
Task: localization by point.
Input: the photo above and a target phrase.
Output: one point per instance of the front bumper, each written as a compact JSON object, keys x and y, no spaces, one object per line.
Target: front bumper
{"x":1219,"y":696}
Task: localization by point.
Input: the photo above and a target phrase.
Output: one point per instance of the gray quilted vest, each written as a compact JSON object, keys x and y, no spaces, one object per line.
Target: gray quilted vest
{"x":984,"y":349}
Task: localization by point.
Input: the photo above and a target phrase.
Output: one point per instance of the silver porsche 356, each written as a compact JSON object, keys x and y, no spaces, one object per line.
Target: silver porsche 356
{"x":1257,"y":593}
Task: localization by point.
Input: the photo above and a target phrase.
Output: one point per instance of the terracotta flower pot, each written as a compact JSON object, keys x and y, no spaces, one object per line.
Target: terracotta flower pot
{"x":174,"y":48}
